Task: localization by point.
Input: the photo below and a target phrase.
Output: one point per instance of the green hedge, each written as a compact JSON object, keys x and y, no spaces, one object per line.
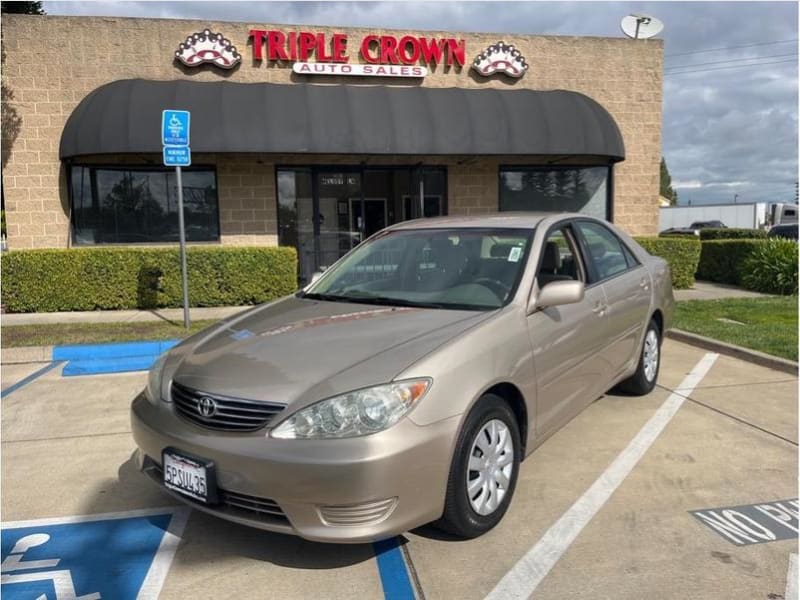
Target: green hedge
{"x":124,"y":278}
{"x":732,"y":233}
{"x":681,"y":253}
{"x":721,"y":260}
{"x":771,"y":267}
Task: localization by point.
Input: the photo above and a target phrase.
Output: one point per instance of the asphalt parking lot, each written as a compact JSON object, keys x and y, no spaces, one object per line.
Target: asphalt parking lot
{"x":67,"y":458}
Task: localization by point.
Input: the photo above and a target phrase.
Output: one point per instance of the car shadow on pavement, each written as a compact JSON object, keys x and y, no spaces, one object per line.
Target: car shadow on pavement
{"x":210,"y":539}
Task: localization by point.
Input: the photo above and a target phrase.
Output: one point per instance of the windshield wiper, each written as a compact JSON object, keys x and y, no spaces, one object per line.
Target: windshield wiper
{"x":327,"y":297}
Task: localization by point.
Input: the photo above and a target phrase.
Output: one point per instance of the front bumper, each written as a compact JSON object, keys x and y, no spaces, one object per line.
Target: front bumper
{"x":374,"y":487}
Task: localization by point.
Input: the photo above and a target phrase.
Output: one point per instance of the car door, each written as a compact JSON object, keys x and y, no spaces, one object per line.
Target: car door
{"x":567,"y":340}
{"x":626,"y":284}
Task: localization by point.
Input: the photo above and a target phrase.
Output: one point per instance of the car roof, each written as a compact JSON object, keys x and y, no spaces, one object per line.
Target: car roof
{"x":504,"y":220}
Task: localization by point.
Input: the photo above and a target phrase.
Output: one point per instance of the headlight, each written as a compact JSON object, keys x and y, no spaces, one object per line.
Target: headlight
{"x":354,"y":414}
{"x":154,"y":379}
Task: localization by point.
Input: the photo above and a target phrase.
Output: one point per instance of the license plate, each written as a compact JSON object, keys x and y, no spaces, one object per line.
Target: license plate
{"x":189,"y":476}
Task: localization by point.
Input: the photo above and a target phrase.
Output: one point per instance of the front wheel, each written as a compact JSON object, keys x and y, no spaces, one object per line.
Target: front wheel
{"x":484,"y":471}
{"x":644,"y":379}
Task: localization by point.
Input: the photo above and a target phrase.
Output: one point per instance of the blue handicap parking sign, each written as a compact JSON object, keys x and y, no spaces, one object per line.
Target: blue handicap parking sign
{"x":177,"y":156}
{"x":175,"y":128}
{"x":89,"y":558}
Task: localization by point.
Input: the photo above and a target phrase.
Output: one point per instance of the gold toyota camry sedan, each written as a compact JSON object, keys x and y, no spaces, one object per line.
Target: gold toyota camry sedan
{"x":407,"y":383}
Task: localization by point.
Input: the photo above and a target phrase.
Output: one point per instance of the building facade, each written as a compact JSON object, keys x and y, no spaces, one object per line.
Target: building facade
{"x":411,"y":124}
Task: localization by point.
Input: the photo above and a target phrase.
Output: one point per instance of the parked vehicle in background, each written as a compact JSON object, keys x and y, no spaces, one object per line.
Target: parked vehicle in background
{"x":694,"y":228}
{"x":409,"y":381}
{"x":783,"y":214}
{"x":784,"y":231}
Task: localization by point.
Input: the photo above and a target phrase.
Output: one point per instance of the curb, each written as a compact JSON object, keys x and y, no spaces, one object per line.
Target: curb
{"x":752,"y":356}
{"x":26,"y":354}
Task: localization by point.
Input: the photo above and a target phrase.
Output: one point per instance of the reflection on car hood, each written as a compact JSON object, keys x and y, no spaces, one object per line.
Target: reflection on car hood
{"x":299,"y":349}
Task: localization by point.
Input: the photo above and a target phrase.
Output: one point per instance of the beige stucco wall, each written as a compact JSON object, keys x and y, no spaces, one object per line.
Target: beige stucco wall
{"x":51,"y":63}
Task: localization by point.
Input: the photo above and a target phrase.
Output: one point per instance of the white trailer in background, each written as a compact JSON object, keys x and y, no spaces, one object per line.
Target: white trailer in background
{"x":782,"y":214}
{"x":750,"y":216}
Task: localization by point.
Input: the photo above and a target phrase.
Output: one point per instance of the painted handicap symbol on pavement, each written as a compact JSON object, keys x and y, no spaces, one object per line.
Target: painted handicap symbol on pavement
{"x":108,"y":556}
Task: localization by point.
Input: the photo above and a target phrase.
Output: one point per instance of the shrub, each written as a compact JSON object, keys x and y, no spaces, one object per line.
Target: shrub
{"x":721,"y":260}
{"x":771,"y":267}
{"x":682,"y":254}
{"x":124,"y":278}
{"x":732,"y":233}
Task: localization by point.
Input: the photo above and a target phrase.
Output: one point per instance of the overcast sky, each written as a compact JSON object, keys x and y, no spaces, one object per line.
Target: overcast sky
{"x":727,"y":131}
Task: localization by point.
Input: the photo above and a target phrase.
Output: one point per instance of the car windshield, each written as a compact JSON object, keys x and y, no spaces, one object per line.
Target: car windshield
{"x":463,"y":269}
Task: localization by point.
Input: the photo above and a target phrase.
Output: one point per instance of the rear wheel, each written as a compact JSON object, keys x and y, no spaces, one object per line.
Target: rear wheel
{"x":484,"y":471}
{"x":644,"y":379}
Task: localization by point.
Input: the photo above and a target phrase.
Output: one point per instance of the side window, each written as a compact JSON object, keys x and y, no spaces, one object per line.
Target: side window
{"x":560,"y":259}
{"x":606,"y":252}
{"x":629,"y":257}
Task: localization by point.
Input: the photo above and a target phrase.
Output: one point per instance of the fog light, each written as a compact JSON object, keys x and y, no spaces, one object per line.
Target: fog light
{"x":354,"y":515}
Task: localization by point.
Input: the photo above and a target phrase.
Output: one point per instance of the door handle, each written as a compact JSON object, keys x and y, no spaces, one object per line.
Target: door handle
{"x":644,"y":284}
{"x":600,"y":309}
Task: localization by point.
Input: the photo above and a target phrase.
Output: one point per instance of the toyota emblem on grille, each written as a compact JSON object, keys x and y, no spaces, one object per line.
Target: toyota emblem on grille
{"x":207,"y":407}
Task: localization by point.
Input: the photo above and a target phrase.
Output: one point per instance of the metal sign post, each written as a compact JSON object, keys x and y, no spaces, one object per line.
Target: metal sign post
{"x":175,"y":139}
{"x":182,"y":237}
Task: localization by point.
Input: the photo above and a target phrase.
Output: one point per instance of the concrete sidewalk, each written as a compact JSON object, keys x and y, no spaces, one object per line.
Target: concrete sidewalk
{"x":174,"y":315}
{"x":706,"y":290}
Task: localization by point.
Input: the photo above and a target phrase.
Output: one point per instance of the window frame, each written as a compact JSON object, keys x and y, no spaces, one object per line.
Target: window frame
{"x":594,"y":277}
{"x":533,"y":168}
{"x":93,"y":167}
{"x":572,"y":238}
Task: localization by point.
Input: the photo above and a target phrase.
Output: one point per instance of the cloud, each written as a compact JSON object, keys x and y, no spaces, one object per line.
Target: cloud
{"x":724,"y":128}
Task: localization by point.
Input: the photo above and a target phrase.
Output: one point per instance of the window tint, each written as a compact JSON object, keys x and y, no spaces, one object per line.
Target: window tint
{"x":559,"y":259}
{"x":135,"y":206}
{"x":605,"y":250}
{"x":573,"y":189}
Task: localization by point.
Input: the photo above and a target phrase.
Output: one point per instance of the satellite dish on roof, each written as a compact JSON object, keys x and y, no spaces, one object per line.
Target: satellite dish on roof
{"x":640,"y":27}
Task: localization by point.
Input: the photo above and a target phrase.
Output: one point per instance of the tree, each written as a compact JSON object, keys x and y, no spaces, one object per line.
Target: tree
{"x":22,"y":8}
{"x":666,"y":189}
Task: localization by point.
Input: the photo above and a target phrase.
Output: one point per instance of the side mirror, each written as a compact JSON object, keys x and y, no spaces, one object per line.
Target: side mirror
{"x":557,"y":293}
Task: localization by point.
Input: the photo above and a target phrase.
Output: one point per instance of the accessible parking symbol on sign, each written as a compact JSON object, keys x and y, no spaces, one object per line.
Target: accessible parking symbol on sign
{"x":114,"y":555}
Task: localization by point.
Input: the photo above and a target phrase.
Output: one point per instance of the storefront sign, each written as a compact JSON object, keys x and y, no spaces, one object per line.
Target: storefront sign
{"x":384,"y":56}
{"x":335,"y":54}
{"x":208,"y":47}
{"x":313,"y":68}
{"x":500,"y":58}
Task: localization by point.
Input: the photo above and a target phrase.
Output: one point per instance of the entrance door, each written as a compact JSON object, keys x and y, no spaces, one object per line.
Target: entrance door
{"x":338,"y":231}
{"x":375,"y":215}
{"x":324,"y":212}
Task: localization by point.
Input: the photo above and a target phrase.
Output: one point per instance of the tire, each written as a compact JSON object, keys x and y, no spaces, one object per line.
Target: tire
{"x":469,"y":517}
{"x":644,"y":379}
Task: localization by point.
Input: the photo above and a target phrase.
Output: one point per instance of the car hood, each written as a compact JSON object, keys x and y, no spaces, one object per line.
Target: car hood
{"x":297,"y":351}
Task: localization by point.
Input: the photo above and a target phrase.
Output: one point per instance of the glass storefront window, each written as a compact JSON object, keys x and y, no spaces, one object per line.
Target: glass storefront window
{"x":568,"y":189}
{"x":324,"y":211}
{"x":139,"y":206}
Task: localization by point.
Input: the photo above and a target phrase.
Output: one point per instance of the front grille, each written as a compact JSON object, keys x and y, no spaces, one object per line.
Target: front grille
{"x":262,"y":507}
{"x":231,"y":414}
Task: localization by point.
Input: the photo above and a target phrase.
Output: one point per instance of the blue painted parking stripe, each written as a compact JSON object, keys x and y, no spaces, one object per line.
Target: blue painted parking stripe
{"x":26,"y":380}
{"x":108,"y":365}
{"x":392,"y":569}
{"x":94,"y":359}
{"x":114,"y":350}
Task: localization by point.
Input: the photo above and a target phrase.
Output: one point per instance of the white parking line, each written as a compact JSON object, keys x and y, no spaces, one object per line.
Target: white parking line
{"x":523,"y":579}
{"x":791,"y":579}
